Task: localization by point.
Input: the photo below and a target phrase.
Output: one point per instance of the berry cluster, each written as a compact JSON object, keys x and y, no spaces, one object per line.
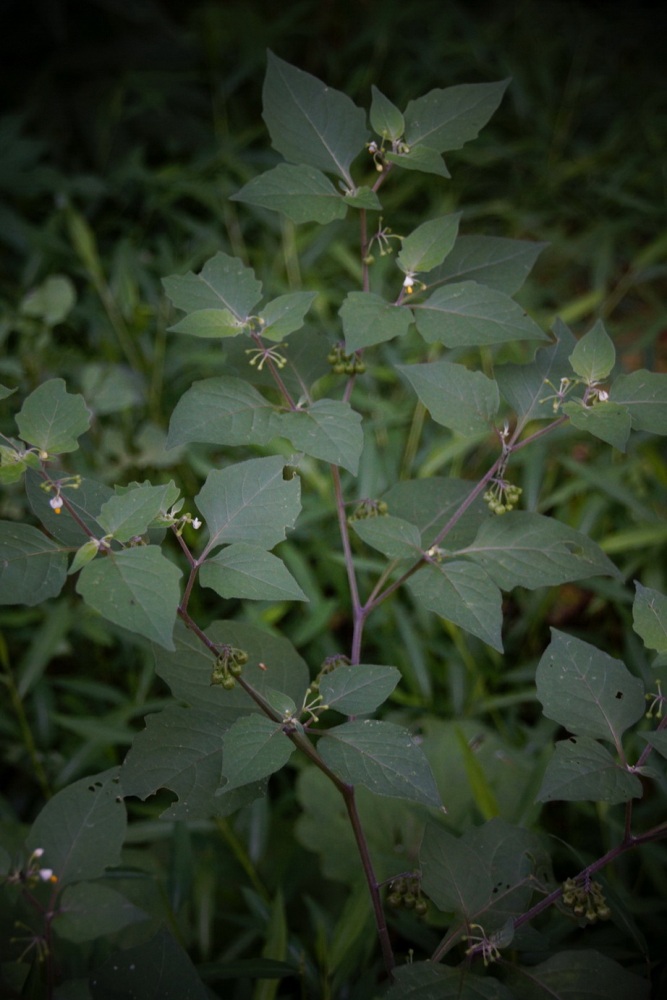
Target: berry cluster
{"x":405,"y":893}
{"x":586,"y":900}
{"x":329,"y":664}
{"x":345,"y":364}
{"x":368,"y":508}
{"x":228,"y":666}
{"x":502,"y":497}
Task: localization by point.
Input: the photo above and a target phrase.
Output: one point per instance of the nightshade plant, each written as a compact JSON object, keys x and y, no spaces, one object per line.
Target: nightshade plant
{"x":437,"y":308}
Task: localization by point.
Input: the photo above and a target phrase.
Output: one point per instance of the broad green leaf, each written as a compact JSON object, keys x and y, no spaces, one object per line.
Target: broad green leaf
{"x":385,"y":117}
{"x":249,"y":502}
{"x":529,"y":389}
{"x":328,"y":429}
{"x":461,"y":593}
{"x":580,"y":974}
{"x":649,"y":617}
{"x":181,"y":749}
{"x":86,"y":501}
{"x":309,"y":122}
{"x":129,"y":515}
{"x":52,"y":301}
{"x":581,"y":770}
{"x":53,"y":419}
{"x":89,"y":910}
{"x":137,"y":588}
{"x":285,"y":314}
{"x":363,"y":197}
{"x":34,"y":568}
{"x":81,"y":829}
{"x":489,"y":260}
{"x":358,"y":689}
{"x":209,"y":323}
{"x":83,"y":555}
{"x":272,"y":663}
{"x":429,"y":244}
{"x":587,"y":691}
{"x":368,"y":320}
{"x":394,"y":537}
{"x":523,"y":549}
{"x":224,"y":284}
{"x":5,"y":391}
{"x":594,"y":355}
{"x":645,"y":396}
{"x":159,"y":969}
{"x":454,"y":875}
{"x":430,"y":504}
{"x":422,"y":158}
{"x":466,"y":314}
{"x":608,"y":421}
{"x":382,"y":757}
{"x":221,"y":410}
{"x":302,"y":193}
{"x":447,"y":119}
{"x":254,"y":747}
{"x":463,"y":400}
{"x":13,"y":463}
{"x":430,"y":981}
{"x":249,"y":572}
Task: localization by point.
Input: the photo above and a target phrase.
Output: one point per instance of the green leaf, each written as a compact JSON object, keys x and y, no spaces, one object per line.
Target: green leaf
{"x":248,"y":572}
{"x":649,"y":617}
{"x":249,"y":502}
{"x":454,"y":875}
{"x":81,"y":829}
{"x":394,"y":537}
{"x":576,"y":975}
{"x":86,"y":501}
{"x":209,"y":324}
{"x":523,"y":549}
{"x":129,"y":515}
{"x":421,"y":158}
{"x":52,"y":419}
{"x":447,"y":119}
{"x":328,"y":429}
{"x":608,"y":421}
{"x":363,"y":197}
{"x":594,"y":355}
{"x":461,"y":593}
{"x":5,"y":392}
{"x":466,"y":314}
{"x":386,"y":119}
{"x":582,"y":770}
{"x":529,"y":389}
{"x":463,"y":400}
{"x":429,"y":981}
{"x":181,"y":749}
{"x":272,"y":662}
{"x":429,"y":244}
{"x":34,"y":568}
{"x":159,"y":969}
{"x":430,"y":504}
{"x":83,"y":555}
{"x":309,"y":122}
{"x":657,"y":740}
{"x":89,"y":910}
{"x":645,"y":396}
{"x":253,"y":748}
{"x":358,"y":689}
{"x":137,"y":588}
{"x":382,"y":757}
{"x":221,"y":410}
{"x":587,"y":691}
{"x":302,"y":193}
{"x":224,"y":284}
{"x":52,"y":301}
{"x":285,"y":314}
{"x":494,"y":261}
{"x":368,"y":320}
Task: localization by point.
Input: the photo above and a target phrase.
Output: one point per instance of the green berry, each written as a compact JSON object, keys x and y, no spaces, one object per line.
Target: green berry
{"x":228,"y":682}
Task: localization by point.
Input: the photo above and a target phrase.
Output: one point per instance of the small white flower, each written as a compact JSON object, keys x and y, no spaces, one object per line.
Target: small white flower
{"x":603,"y":395}
{"x":196,"y":523}
{"x":46,"y":874}
{"x":56,"y":503}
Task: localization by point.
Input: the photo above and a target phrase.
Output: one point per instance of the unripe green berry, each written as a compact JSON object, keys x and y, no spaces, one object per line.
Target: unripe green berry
{"x":228,"y":682}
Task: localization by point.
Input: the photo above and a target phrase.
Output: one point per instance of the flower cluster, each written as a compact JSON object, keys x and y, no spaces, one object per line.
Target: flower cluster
{"x":228,"y":666}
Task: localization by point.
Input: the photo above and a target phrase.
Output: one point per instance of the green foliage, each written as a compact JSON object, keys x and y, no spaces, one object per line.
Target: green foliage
{"x":311,"y":421}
